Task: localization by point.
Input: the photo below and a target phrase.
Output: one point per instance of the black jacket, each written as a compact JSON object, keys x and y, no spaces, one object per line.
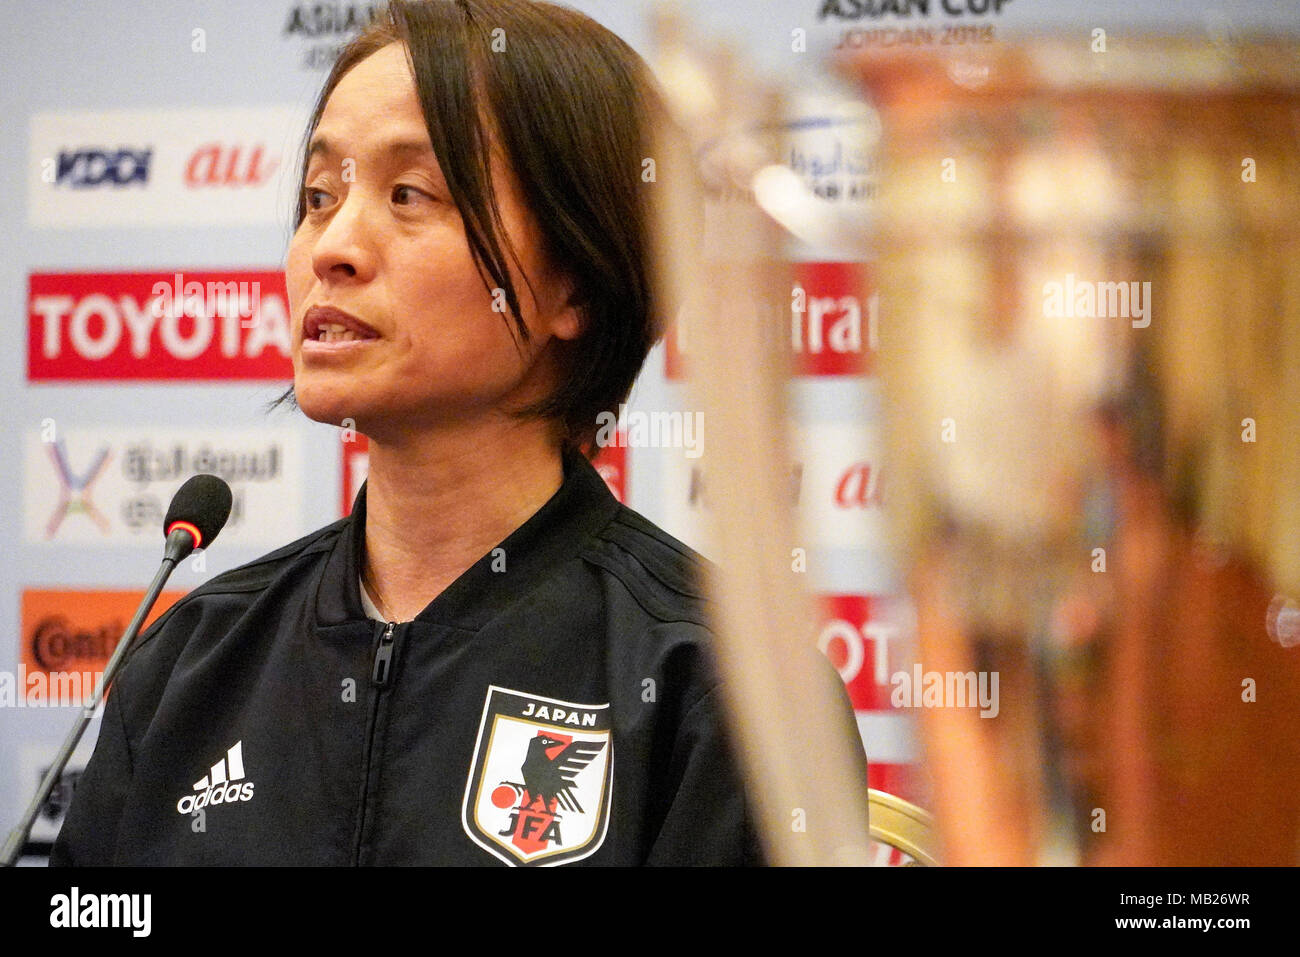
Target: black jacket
{"x":556,"y":703}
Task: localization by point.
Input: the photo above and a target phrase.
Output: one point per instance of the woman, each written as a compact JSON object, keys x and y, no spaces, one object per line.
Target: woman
{"x":491,"y":660}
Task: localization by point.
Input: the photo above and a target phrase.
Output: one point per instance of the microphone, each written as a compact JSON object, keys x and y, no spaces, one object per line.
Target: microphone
{"x":197,"y":513}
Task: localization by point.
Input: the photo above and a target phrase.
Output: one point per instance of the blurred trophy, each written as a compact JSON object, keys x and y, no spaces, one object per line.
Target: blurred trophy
{"x":722,"y":271}
{"x":1090,"y":347}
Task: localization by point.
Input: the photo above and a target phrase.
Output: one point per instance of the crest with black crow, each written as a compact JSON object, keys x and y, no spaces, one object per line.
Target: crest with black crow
{"x":549,"y":777}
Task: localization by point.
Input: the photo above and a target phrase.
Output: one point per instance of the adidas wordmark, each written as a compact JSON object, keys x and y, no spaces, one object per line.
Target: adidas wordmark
{"x":221,"y":785}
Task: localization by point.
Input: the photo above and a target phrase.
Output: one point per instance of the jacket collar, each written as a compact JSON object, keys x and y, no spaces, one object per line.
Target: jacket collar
{"x":555,"y":533}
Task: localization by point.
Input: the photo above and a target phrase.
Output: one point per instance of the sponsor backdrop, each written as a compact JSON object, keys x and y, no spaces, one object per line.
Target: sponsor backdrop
{"x":152,"y":150}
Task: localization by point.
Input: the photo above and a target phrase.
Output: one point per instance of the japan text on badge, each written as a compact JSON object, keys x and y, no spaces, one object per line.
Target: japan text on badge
{"x":539,"y":786}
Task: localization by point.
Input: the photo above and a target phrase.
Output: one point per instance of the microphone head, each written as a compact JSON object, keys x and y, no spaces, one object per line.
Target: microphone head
{"x":201,"y":506}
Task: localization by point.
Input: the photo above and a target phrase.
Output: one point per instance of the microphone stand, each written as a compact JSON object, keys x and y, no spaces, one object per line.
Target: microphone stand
{"x":179,"y":544}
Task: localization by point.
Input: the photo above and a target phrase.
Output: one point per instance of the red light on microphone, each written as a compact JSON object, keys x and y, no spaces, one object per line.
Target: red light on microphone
{"x":189,"y":527}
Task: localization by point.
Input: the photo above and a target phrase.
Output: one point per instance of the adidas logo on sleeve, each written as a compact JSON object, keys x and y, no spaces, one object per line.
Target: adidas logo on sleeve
{"x":221,"y":785}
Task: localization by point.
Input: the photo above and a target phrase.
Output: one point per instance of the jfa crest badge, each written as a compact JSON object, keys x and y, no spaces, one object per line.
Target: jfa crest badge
{"x":539,"y":787}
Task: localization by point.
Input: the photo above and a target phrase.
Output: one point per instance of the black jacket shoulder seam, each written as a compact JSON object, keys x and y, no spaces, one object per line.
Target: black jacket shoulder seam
{"x":638,"y":524}
{"x":660,"y":612}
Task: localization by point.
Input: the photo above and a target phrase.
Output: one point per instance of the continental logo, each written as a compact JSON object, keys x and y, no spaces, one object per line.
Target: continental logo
{"x":77,"y":630}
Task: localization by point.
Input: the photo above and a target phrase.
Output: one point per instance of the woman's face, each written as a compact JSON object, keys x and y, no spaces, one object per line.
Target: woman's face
{"x":383,"y":243}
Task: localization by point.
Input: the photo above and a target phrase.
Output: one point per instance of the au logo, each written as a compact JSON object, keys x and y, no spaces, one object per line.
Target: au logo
{"x":539,"y":788}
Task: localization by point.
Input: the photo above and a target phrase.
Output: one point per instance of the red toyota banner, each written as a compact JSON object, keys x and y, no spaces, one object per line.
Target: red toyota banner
{"x":153,"y":325}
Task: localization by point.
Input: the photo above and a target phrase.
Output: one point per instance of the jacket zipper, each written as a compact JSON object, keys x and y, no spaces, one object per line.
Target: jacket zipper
{"x":381,"y":674}
{"x":383,"y":668}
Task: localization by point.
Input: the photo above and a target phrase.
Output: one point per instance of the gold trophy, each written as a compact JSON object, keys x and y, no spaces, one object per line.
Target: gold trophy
{"x":1090,"y":347}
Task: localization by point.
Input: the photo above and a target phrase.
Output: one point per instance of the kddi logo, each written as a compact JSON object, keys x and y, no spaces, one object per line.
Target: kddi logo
{"x":94,"y":167}
{"x":221,"y":785}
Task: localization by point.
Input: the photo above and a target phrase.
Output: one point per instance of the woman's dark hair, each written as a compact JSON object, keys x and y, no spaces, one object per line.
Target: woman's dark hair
{"x":571,"y":106}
